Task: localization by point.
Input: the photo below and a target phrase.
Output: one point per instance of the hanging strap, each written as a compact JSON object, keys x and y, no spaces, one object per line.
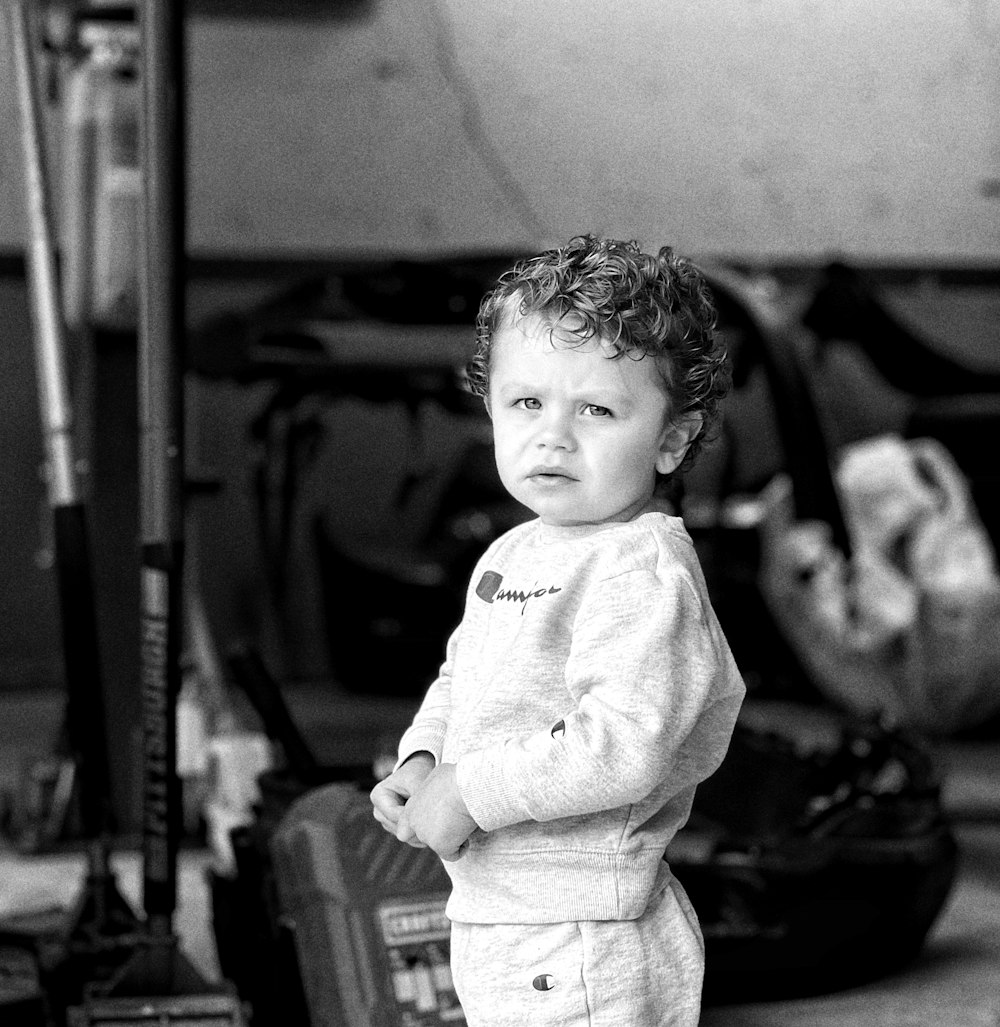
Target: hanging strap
{"x":800,"y":427}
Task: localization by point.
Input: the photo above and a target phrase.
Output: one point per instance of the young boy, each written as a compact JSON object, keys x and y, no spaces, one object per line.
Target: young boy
{"x":589,"y":688}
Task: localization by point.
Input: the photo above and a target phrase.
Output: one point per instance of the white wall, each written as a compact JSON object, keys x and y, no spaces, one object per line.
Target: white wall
{"x":785,"y":129}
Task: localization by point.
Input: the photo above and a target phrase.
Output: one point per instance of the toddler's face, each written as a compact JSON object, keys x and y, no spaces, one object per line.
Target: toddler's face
{"x":578,"y":436}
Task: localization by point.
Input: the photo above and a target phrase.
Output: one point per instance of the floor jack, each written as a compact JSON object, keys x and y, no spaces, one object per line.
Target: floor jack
{"x":121,"y":971}
{"x":158,"y":985}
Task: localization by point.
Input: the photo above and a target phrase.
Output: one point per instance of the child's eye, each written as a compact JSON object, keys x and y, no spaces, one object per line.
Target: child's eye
{"x":598,"y":411}
{"x":528,"y":403}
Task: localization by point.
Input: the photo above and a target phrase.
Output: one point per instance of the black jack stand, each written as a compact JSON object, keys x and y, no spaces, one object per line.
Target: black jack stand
{"x":94,"y":939}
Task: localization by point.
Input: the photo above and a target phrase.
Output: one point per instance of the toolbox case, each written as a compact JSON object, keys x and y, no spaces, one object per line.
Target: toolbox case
{"x":366,"y":914}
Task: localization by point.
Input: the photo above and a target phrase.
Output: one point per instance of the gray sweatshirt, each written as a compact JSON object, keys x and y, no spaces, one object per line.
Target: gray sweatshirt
{"x":585,"y":694}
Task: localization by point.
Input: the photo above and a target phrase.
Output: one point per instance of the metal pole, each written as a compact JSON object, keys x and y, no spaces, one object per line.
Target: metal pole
{"x":160,"y":371}
{"x":85,"y":704}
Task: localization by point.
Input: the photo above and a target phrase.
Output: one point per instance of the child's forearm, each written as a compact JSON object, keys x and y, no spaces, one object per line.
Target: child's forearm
{"x":534,"y":779}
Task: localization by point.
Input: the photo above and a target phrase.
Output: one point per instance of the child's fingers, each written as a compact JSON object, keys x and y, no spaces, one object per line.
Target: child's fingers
{"x":457,"y":854}
{"x":386,"y":823}
{"x":405,"y":833}
{"x":387,"y":804}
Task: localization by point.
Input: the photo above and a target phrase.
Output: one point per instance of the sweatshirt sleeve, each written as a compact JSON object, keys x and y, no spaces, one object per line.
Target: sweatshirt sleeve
{"x":427,"y":730}
{"x":647,"y":672}
{"x":430,"y":723}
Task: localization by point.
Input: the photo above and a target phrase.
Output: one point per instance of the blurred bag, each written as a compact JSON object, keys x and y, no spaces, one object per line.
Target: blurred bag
{"x":817,"y":857}
{"x":906,"y":626}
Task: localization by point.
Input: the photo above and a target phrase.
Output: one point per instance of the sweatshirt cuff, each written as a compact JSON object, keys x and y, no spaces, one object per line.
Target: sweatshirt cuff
{"x":486,"y":790}
{"x":420,"y":738}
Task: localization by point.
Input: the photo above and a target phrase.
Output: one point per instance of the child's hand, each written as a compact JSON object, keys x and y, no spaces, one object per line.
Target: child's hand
{"x":436,"y":814}
{"x":389,"y":796}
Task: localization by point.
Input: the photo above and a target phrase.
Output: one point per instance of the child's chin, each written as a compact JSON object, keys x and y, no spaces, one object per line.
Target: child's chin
{"x":573,"y":514}
{"x":566,"y":520}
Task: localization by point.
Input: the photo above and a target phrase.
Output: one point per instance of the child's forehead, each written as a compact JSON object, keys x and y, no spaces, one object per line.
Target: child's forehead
{"x":536,"y":348}
{"x":535,"y":329}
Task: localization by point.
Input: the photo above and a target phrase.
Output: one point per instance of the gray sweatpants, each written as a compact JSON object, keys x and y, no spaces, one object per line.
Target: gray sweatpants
{"x":599,"y":973}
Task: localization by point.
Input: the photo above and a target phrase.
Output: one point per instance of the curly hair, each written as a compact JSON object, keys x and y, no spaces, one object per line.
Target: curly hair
{"x":639,"y":305}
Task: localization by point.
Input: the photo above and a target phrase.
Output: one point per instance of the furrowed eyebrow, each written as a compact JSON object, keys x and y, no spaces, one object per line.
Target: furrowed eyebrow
{"x":519,"y":390}
{"x":620,"y":401}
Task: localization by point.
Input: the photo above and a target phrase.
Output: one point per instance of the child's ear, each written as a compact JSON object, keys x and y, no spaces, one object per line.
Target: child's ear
{"x":676,"y":438}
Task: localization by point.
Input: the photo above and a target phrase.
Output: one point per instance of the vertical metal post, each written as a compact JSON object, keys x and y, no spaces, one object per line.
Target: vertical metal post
{"x":161,"y":480}
{"x":85,"y":725}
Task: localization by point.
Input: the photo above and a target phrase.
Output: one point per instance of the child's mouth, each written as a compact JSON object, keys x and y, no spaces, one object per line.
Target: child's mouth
{"x":550,"y":477}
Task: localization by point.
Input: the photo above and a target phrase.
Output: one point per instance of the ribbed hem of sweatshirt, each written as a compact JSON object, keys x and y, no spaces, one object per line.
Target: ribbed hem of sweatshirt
{"x":420,"y":738}
{"x":542,"y":887}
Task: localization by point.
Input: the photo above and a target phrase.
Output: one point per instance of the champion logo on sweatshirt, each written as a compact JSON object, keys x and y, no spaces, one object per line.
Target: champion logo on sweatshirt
{"x":489,"y":590}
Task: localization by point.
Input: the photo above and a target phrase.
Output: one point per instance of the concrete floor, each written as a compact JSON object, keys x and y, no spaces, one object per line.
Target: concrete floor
{"x":954,"y":982}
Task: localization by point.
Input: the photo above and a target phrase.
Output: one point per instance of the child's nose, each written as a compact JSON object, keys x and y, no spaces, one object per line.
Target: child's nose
{"x":556,"y":432}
